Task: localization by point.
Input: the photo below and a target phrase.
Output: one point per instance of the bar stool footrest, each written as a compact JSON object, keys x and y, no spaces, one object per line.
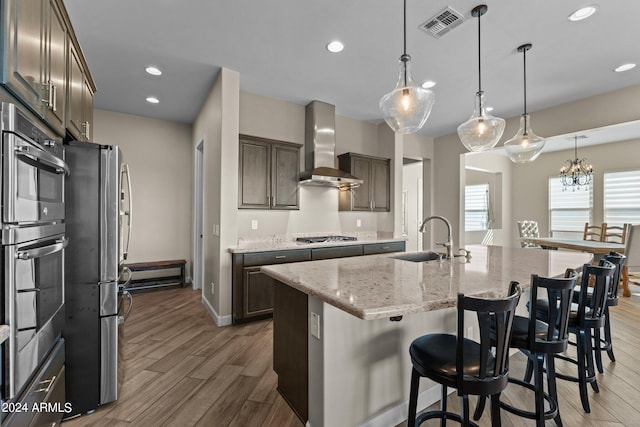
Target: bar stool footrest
{"x":589,"y":379}
{"x":441,"y":415}
{"x":553,"y":405}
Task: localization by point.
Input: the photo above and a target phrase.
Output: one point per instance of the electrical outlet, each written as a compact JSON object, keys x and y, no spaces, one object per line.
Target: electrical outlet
{"x":358,"y":222}
{"x":315,"y":325}
{"x":254,"y":224}
{"x":470,"y":332}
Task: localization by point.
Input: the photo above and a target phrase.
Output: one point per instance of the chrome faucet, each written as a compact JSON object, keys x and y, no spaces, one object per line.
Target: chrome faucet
{"x":449,"y":243}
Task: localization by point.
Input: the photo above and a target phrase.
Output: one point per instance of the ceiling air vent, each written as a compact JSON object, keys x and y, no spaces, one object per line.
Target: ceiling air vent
{"x":443,"y":22}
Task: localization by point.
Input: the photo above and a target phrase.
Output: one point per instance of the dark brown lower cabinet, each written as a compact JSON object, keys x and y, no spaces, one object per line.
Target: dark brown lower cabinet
{"x":258,"y":287}
{"x":290,"y":349}
{"x":252,"y":291}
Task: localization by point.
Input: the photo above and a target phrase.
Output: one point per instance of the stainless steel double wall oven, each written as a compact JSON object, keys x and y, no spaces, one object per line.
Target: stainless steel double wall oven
{"x":33,"y":244}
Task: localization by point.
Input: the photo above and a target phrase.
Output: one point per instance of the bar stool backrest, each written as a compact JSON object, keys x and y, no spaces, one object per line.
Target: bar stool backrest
{"x":591,"y":310}
{"x":560,"y":297}
{"x":494,"y":346}
{"x":618,"y":260}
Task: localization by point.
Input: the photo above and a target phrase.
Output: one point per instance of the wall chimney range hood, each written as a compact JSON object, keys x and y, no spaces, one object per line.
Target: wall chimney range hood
{"x":319,"y":148}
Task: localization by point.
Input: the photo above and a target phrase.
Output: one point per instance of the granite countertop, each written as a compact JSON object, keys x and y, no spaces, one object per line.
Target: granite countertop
{"x":290,"y":243}
{"x":4,"y":333}
{"x":380,"y":286}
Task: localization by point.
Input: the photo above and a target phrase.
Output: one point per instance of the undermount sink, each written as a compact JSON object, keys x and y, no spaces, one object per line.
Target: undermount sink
{"x":420,"y":256}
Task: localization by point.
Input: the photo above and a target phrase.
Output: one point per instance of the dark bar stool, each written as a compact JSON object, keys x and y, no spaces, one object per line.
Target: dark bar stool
{"x":540,"y":339}
{"x":587,"y":315}
{"x":606,"y":344}
{"x":469,"y":366}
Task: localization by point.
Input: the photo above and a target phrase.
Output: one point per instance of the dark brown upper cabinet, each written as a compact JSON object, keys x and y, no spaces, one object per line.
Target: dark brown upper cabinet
{"x":374,"y":193}
{"x":269,"y":173}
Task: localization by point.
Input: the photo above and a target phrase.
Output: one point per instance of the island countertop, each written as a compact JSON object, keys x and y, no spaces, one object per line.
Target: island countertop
{"x":380,"y":286}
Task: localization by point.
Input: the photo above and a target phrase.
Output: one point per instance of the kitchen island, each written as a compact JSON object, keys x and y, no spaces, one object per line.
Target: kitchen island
{"x":342,"y":327}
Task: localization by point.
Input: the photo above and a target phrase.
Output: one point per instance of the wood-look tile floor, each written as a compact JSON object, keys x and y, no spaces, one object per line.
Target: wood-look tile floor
{"x":181,"y":370}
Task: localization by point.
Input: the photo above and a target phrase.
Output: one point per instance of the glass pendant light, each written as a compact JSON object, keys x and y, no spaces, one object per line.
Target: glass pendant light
{"x":407,"y":107}
{"x":525,"y":146}
{"x":482,"y":131}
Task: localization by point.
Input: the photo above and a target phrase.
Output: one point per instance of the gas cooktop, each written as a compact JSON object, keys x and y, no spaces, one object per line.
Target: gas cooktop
{"x":325,"y":239}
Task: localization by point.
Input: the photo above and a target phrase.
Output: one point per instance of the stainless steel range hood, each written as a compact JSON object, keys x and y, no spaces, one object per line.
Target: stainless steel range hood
{"x":319,"y":147}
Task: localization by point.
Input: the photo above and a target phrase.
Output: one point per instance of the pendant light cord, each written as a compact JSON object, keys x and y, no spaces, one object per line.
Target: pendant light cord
{"x":404,"y":53}
{"x":479,"y":62}
{"x":576,"y":146}
{"x":524,"y":62}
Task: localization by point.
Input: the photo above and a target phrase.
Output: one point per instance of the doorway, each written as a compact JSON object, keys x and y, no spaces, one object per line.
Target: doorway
{"x":412,"y":202}
{"x":198,"y":217}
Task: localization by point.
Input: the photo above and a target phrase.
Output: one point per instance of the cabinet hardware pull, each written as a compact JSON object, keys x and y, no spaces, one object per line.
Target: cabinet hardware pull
{"x":280,"y":256}
{"x":385,"y":247}
{"x":48,"y":382}
{"x":53,"y":93}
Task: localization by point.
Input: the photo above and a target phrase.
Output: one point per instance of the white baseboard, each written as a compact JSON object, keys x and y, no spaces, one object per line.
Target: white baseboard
{"x":219,"y":320}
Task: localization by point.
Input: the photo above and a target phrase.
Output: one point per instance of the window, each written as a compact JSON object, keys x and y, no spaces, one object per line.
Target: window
{"x":476,"y":212}
{"x":569,"y":210}
{"x":622,"y":197}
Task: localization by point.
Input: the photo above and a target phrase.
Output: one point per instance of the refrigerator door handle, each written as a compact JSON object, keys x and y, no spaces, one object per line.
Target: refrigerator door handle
{"x":125,"y":284}
{"x":123,"y":318}
{"x":129,"y":213}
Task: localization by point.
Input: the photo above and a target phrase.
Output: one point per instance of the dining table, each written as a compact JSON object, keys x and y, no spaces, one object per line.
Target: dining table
{"x":592,"y":246}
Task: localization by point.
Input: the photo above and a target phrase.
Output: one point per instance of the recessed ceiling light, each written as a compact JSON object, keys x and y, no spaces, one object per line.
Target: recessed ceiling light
{"x":428,"y":84}
{"x":582,"y":13}
{"x":154,"y":71}
{"x":624,"y":67}
{"x":335,"y":46}
{"x":152,"y":100}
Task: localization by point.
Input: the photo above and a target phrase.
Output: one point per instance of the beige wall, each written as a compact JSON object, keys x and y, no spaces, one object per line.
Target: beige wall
{"x":597,"y":111}
{"x":282,"y":120}
{"x":159,"y":155}
{"x":530,"y":199}
{"x":217,"y":126}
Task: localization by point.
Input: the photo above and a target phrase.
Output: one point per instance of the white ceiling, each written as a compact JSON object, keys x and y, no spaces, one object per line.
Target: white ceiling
{"x":278,"y":48}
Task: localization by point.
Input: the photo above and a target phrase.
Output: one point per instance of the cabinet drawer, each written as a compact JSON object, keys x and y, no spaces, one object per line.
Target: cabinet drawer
{"x":336,"y":252}
{"x":277,"y":257}
{"x":381,"y":248}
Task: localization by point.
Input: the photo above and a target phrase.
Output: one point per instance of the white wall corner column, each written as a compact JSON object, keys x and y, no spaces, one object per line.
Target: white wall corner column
{"x":396,"y":183}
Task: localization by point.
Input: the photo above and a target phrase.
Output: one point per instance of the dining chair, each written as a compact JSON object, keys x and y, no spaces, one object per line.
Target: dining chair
{"x":472,"y":367}
{"x":615,"y":233}
{"x":593,"y":232}
{"x":528,"y":228}
{"x":631,"y":269}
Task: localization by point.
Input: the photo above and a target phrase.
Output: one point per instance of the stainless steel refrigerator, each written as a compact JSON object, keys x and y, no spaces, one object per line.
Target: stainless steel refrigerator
{"x":98,"y":208}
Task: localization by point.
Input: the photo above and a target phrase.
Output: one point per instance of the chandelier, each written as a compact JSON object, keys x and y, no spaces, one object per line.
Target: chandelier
{"x":576,"y":174}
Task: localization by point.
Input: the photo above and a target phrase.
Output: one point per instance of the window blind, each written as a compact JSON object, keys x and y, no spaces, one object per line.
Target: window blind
{"x":622,"y":197}
{"x":476,"y":207}
{"x":569,"y":210}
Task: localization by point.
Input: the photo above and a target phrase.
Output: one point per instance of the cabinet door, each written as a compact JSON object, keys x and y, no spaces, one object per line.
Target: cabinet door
{"x":360,"y":196}
{"x":258,"y":293}
{"x":54,"y":91}
{"x":254,"y":185}
{"x":87,"y":109}
{"x":24,"y":44}
{"x":76,"y":87}
{"x":380,"y":185}
{"x":285,"y":177}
